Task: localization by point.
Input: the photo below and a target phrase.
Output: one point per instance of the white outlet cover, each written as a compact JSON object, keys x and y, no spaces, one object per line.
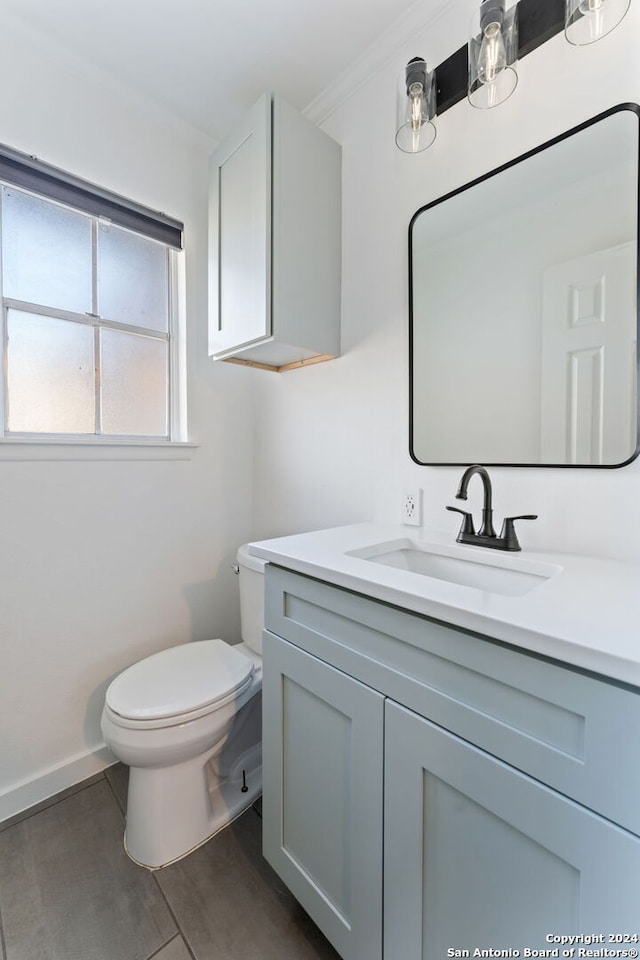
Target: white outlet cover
{"x":411,"y":507}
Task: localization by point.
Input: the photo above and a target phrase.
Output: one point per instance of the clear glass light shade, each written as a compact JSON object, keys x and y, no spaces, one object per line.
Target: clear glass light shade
{"x":589,"y":20}
{"x":493,"y":54}
{"x":416,"y":107}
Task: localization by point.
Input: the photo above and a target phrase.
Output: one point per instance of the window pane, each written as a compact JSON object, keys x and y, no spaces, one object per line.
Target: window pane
{"x":50,"y":376}
{"x":134,"y":385}
{"x":132,"y":279}
{"x":46,"y":253}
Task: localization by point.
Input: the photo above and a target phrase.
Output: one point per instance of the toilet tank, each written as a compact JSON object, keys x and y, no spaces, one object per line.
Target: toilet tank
{"x":251,"y":576}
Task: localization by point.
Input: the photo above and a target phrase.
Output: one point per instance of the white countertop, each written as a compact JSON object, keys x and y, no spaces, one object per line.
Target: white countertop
{"x":586,"y":614}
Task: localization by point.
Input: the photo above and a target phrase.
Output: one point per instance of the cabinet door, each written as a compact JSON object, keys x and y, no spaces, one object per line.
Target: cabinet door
{"x":240,"y":234}
{"x":478,"y":855}
{"x":322,"y":799}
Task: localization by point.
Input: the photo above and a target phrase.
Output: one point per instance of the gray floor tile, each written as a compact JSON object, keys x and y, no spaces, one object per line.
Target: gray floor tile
{"x":69,"y":892}
{"x":118,"y":777}
{"x":49,"y":802}
{"x":230,"y":905}
{"x":176,"y":950}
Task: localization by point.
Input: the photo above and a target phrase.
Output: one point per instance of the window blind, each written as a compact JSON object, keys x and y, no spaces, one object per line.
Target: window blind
{"x":30,"y":173}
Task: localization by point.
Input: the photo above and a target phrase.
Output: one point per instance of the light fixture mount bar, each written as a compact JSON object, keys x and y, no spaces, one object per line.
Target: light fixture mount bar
{"x":538,"y":21}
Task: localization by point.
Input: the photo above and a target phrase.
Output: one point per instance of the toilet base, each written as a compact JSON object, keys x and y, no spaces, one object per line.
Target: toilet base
{"x":171,"y":812}
{"x":173,"y":809}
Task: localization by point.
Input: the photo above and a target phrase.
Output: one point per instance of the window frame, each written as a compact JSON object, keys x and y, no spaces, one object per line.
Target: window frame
{"x":24,"y":174}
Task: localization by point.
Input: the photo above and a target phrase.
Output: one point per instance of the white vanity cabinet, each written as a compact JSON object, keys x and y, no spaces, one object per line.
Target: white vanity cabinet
{"x":477,"y":854}
{"x":322,"y":789}
{"x":503,"y":786}
{"x":274,"y":241}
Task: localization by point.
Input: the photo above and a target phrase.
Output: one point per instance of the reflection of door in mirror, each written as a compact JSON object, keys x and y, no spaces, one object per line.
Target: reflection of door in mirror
{"x":508,"y":364}
{"x":589,"y":358}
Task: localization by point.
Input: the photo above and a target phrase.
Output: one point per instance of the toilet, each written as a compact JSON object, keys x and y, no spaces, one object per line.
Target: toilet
{"x":187,"y":721}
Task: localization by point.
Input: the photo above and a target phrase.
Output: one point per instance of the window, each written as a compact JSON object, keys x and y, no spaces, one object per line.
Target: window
{"x":88,"y":287}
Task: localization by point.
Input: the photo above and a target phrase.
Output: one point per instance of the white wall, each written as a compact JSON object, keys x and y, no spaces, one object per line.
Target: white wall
{"x":334,"y":438}
{"x":102,"y":563}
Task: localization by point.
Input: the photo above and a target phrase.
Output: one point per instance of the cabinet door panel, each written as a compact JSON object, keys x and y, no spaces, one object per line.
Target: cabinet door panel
{"x":322,"y":806}
{"x":239,"y":235}
{"x":478,"y":855}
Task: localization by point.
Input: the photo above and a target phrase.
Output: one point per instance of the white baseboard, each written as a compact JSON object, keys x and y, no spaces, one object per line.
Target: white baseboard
{"x":20,"y":796}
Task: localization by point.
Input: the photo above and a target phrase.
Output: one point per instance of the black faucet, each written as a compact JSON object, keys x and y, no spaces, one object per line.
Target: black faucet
{"x":486,"y":537}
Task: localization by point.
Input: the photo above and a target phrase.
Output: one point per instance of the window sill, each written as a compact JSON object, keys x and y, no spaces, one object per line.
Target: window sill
{"x":27,"y":449}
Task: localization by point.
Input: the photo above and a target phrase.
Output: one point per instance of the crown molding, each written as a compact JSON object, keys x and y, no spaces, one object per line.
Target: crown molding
{"x":419,"y":17}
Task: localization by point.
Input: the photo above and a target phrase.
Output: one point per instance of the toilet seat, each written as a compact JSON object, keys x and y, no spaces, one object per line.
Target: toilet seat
{"x":179,"y":684}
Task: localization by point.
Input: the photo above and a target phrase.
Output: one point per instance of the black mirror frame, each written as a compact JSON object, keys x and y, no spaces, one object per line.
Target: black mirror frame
{"x":632,"y":107}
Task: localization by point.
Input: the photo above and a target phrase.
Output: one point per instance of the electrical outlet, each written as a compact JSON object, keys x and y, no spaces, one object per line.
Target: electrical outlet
{"x":411,"y":510}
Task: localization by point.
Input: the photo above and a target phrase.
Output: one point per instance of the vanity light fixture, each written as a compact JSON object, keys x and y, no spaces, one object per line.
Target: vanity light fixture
{"x":589,"y":20}
{"x":416,"y":107}
{"x":493,"y":54}
{"x":485,"y":68}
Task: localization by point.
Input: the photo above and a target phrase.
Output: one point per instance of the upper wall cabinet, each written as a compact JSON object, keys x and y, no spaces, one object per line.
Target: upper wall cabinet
{"x":274,"y":241}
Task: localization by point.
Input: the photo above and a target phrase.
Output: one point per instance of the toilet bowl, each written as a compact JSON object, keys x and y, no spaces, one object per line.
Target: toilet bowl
{"x":187,"y":721}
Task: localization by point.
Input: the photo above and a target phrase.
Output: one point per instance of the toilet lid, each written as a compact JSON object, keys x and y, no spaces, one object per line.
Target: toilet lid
{"x":179,"y":680}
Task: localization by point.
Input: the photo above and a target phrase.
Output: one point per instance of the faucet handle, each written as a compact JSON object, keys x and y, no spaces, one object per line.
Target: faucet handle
{"x":508,"y":532}
{"x":467,"y":523}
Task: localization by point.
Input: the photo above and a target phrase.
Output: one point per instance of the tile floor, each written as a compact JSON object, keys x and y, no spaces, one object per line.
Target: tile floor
{"x":69,"y":892}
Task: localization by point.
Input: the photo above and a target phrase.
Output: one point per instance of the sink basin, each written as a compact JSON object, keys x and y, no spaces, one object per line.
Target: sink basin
{"x":506,"y":575}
